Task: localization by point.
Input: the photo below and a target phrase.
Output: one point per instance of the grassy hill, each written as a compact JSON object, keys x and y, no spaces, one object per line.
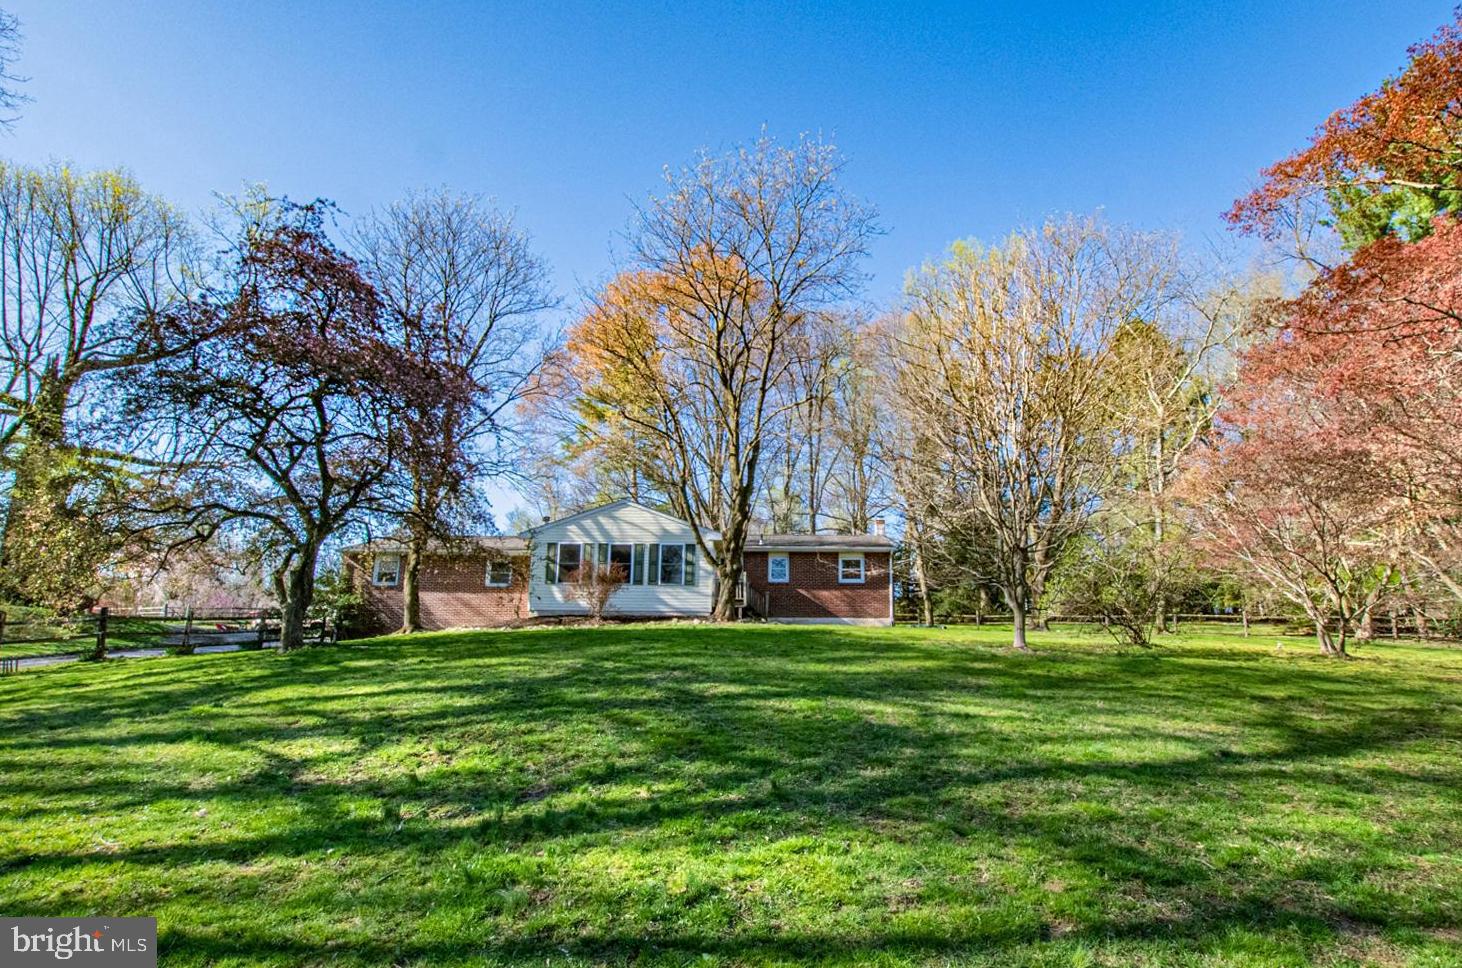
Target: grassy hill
{"x":670,"y":795}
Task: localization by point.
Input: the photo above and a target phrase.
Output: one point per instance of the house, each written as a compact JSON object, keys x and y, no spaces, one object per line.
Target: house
{"x":489,"y":581}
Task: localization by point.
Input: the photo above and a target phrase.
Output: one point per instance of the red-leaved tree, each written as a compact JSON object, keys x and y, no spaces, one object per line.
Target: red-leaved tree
{"x":1282,"y":498}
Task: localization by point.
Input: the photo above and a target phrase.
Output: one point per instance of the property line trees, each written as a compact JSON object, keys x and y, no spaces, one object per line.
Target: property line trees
{"x":1003,"y":368}
{"x":460,"y":288}
{"x":827,"y":476}
{"x":288,"y":421}
{"x":690,"y":347}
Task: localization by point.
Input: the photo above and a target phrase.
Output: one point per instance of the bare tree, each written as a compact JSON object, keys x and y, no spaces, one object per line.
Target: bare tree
{"x":10,"y":96}
{"x":460,"y":288}
{"x":733,"y":262}
{"x":1002,"y":369}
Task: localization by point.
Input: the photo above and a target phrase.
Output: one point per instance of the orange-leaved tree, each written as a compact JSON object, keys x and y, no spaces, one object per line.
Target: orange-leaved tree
{"x":1387,"y":164}
{"x":678,"y":360}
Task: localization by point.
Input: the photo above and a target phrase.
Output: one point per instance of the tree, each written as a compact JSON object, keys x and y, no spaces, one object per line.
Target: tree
{"x":290,"y":417}
{"x":1292,"y":512}
{"x":1003,"y":370}
{"x":1386,"y":165}
{"x":1117,"y":573}
{"x":90,"y":267}
{"x":1168,"y":377}
{"x":688,"y":348}
{"x":1374,"y":340}
{"x":460,"y":288}
{"x":10,"y":96}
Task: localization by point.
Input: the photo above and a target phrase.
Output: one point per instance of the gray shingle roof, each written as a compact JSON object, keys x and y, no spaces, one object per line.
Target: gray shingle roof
{"x":503,"y":544}
{"x":811,"y":542}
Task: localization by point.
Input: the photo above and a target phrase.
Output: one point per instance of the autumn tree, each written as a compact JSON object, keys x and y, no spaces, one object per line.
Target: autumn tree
{"x":1003,"y":364}
{"x":1386,"y":165}
{"x":1377,"y":336}
{"x":289,"y":421}
{"x":688,"y":348}
{"x":461,"y":289}
{"x":1281,"y":499}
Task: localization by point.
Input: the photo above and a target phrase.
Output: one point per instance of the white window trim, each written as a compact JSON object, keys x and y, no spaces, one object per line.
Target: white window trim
{"x":786,"y":560}
{"x":862,"y":570}
{"x":376,"y":562}
{"x":498,"y":584}
{"x":661,"y":574}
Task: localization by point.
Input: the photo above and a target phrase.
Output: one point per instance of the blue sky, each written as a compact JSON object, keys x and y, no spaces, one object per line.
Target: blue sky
{"x":957,"y":119}
{"x":961,"y":119}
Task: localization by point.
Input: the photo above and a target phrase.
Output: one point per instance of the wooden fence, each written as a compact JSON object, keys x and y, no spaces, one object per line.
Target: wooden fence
{"x":1392,"y":625}
{"x":104,"y":632}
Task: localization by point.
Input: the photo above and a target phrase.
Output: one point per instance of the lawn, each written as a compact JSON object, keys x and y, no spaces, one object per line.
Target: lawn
{"x":667,"y":795}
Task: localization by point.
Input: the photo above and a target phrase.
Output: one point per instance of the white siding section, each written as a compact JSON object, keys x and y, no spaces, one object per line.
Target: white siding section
{"x":621,"y":523}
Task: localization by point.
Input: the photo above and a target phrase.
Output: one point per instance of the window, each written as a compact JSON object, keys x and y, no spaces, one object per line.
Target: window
{"x":638,"y":575}
{"x":779,"y":569}
{"x":570,"y":557}
{"x":690,"y":564}
{"x":499,"y":573}
{"x":386,"y":570}
{"x":621,"y":559}
{"x":850,"y":569}
{"x":672,"y":564}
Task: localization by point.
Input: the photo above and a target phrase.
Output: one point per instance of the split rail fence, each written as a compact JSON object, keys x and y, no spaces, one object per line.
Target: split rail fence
{"x":105,"y":632}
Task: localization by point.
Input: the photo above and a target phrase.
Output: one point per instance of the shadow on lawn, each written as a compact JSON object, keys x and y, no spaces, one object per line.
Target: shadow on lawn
{"x":744,"y":732}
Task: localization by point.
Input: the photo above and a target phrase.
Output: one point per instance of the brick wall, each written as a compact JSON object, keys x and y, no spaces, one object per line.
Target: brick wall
{"x":454,"y":594}
{"x":813,"y":589}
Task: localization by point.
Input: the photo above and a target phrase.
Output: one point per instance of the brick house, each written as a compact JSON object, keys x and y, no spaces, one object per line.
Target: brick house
{"x":836,"y":578}
{"x":491,"y":581}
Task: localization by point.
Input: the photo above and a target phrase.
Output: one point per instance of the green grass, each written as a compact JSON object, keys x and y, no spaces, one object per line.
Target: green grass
{"x":668,"y":795}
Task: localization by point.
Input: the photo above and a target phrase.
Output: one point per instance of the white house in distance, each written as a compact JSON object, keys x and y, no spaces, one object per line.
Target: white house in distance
{"x":488,"y":581}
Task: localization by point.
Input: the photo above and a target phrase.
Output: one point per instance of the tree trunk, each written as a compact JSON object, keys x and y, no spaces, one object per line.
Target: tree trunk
{"x":411,"y":588}
{"x":1322,"y":635}
{"x":728,"y":576}
{"x":1423,"y":628}
{"x":921,"y":576}
{"x":1246,"y":621}
{"x":299,"y":588}
{"x":1017,"y":617}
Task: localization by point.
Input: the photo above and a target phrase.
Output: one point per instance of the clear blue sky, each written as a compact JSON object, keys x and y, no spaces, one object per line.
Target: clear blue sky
{"x":959,"y":119}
